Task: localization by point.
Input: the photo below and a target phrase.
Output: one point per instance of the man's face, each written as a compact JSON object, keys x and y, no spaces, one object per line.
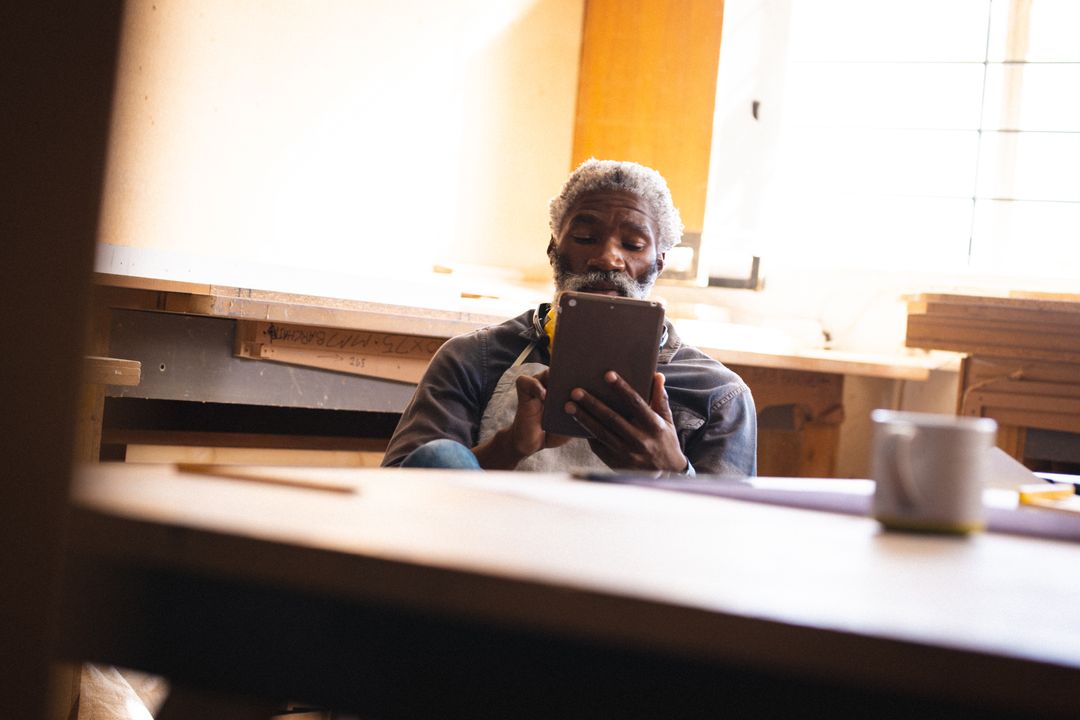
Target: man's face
{"x":607,"y":244}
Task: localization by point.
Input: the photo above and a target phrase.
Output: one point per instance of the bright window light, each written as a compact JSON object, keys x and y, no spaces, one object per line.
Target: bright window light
{"x":938,"y":135}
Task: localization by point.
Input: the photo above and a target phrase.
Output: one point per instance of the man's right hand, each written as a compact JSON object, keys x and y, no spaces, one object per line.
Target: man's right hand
{"x":526,"y":433}
{"x":525,"y":436}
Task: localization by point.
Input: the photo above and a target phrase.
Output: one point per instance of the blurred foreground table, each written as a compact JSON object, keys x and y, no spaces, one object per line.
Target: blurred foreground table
{"x":400,"y":593}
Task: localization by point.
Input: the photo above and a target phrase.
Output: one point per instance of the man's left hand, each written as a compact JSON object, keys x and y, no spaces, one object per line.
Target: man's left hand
{"x":646,"y":440}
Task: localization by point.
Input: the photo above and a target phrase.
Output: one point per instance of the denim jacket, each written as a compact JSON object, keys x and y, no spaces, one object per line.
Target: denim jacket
{"x":712,"y":407}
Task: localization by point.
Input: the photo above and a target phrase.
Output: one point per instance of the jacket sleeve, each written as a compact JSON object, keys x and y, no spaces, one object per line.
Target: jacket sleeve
{"x":448,"y":402}
{"x":727,"y":442}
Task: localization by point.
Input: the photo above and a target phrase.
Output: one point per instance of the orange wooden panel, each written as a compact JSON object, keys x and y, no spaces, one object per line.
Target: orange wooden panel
{"x":646,"y":90}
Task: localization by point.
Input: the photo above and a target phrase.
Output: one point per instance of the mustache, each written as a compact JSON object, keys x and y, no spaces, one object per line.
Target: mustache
{"x":623,"y":282}
{"x":618,"y":279}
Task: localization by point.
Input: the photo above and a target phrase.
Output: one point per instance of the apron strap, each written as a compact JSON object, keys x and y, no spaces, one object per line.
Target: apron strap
{"x":524,"y":354}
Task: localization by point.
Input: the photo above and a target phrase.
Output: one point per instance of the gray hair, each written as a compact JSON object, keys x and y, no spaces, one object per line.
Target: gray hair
{"x":595,"y":175}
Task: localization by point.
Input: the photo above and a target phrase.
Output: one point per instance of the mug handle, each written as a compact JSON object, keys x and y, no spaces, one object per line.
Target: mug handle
{"x":900,"y":440}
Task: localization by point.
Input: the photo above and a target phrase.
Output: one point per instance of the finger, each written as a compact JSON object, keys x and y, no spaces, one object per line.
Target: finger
{"x":601,"y":421}
{"x":598,"y":433}
{"x":530,"y":404}
{"x":643,"y":417}
{"x":635,"y":403}
{"x":659,"y":402}
{"x":529,"y":387}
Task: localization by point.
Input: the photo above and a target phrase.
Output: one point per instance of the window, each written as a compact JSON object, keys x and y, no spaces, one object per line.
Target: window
{"x":935,"y":135}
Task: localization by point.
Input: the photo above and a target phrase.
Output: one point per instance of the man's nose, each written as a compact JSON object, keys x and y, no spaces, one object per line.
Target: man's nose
{"x":609,"y":256}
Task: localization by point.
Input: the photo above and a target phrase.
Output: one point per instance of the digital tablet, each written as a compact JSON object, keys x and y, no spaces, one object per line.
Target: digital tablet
{"x":594,"y":334}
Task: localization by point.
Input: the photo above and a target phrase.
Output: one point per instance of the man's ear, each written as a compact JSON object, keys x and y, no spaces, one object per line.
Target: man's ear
{"x":660,"y":262}
{"x":551,"y":250}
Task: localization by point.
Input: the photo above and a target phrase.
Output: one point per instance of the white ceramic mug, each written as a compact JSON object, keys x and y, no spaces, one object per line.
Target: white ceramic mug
{"x":929,"y":470}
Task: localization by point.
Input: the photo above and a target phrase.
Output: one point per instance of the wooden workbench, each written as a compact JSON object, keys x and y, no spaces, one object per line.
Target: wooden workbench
{"x":208,"y":343}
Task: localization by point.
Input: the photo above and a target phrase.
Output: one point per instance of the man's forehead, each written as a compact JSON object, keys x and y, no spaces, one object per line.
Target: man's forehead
{"x":600,"y":201}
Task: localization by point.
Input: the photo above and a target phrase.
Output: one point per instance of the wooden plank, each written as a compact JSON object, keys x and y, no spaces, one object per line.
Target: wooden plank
{"x":984,"y":367}
{"x":359,"y":342}
{"x":1054,"y":303}
{"x":1040,"y":403}
{"x":646,"y":91}
{"x":119,"y":436}
{"x":1048,"y":336}
{"x":390,"y":356}
{"x":155,"y":284}
{"x":88,"y":420}
{"x":282,"y":457}
{"x":995,"y":313}
{"x":1035,"y":295}
{"x":366,"y":316}
{"x":97,"y":372}
{"x":921,"y":337}
{"x":132,"y":298}
{"x":405,"y":369}
{"x":1005,"y":386}
{"x":249,"y":304}
{"x":111,"y":371}
{"x":1021,"y":329}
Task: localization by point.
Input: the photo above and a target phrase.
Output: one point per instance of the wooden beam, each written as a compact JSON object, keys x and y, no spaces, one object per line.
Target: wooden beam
{"x":111,"y":371}
{"x":646,"y":91}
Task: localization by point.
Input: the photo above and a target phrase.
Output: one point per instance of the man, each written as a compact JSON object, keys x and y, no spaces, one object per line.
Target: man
{"x":479,"y":403}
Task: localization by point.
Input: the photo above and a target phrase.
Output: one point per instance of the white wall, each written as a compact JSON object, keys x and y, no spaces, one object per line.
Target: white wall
{"x":261,"y":143}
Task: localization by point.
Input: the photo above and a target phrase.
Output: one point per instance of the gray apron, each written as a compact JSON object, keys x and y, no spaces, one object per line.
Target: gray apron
{"x":574,"y":456}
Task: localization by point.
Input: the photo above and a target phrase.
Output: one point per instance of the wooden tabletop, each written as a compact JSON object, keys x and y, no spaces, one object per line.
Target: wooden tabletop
{"x":985,"y":621}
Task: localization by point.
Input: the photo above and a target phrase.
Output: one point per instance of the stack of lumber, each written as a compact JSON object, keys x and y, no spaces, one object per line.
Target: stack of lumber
{"x":1023,"y":364}
{"x":1041,"y":328}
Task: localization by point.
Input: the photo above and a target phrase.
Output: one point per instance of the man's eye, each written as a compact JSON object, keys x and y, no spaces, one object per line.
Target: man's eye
{"x":582,"y":238}
{"x":635,"y":247}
